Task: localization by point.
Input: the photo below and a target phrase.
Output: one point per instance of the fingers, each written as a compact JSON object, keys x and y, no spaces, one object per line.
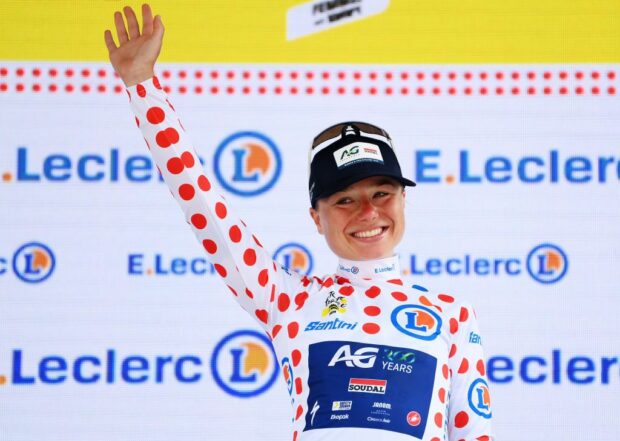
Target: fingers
{"x":109,"y":41}
{"x":147,"y":19}
{"x":132,"y":22}
{"x":158,"y":27}
{"x":121,"y":32}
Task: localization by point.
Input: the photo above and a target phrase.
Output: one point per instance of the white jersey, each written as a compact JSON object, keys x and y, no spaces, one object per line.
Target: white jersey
{"x":364,"y":355}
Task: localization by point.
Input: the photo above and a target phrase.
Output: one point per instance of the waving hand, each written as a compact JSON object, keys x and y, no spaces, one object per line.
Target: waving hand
{"x":135,"y":56}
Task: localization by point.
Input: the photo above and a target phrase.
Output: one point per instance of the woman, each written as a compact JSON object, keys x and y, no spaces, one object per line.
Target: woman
{"x":364,"y":356}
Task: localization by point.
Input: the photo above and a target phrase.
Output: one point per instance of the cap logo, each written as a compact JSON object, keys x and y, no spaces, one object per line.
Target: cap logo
{"x":357,"y":152}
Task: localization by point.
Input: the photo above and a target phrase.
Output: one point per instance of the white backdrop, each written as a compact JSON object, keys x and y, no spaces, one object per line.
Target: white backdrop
{"x":552,"y":346}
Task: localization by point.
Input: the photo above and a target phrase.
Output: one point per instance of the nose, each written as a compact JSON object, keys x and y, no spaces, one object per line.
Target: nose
{"x":367,"y":210}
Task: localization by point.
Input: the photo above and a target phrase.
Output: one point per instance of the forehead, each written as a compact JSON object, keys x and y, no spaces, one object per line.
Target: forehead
{"x":373,"y":181}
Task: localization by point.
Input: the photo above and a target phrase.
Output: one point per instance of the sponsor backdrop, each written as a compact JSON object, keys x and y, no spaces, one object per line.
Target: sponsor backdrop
{"x":113,"y":324}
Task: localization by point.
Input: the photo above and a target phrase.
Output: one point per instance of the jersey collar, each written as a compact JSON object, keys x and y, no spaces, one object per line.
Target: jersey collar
{"x":387,"y":268}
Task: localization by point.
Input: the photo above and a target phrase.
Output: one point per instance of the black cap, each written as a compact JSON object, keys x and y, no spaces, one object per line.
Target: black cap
{"x":349,"y":152}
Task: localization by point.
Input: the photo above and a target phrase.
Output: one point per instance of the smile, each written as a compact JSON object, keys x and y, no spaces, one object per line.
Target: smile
{"x":369,"y":233}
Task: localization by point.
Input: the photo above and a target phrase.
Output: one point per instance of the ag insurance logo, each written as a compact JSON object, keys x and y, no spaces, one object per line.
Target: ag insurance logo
{"x":295,"y":257}
{"x":244,"y":364}
{"x":32,"y":262}
{"x":247,"y":163}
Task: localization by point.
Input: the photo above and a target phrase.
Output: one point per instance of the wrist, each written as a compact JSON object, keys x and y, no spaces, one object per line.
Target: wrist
{"x":137,"y":77}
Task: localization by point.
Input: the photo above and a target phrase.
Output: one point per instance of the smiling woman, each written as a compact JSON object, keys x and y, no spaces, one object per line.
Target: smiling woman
{"x":400,"y":360}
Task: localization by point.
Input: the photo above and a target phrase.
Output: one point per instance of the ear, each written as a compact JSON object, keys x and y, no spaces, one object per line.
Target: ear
{"x":314,"y":214}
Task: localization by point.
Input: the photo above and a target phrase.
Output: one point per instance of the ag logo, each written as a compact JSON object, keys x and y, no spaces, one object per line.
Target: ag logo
{"x":294,"y":256}
{"x":547,"y":263}
{"x":33,"y":262}
{"x":417,"y":321}
{"x":360,"y":151}
{"x":480,"y":398}
{"x":244,"y":364}
{"x":362,"y":358}
{"x":247,"y":163}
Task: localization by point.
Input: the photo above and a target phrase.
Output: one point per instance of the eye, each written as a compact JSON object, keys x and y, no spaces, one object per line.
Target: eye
{"x":381,"y":194}
{"x":343,"y":201}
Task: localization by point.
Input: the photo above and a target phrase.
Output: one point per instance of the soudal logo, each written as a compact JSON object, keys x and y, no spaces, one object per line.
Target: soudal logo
{"x":545,"y":263}
{"x":480,"y":398}
{"x":244,"y":364}
{"x":141,"y":264}
{"x":295,"y":257}
{"x":367,"y":385}
{"x":112,"y":166}
{"x":33,"y":262}
{"x":247,"y":163}
{"x":551,"y":168}
{"x":417,"y":321}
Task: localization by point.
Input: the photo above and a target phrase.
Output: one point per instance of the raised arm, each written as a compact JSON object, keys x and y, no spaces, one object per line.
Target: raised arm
{"x":248,"y":270}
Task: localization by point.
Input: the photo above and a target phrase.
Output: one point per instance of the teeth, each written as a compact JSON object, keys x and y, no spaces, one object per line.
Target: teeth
{"x":369,"y":233}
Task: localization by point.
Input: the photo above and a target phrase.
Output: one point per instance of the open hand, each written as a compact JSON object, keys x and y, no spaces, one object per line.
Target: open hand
{"x":134,"y":58}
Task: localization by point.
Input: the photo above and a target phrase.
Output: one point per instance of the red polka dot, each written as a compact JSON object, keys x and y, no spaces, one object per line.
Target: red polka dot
{"x":141,"y":90}
{"x":199,"y":221}
{"x":371,"y":328}
{"x":452,"y":351}
{"x":300,"y":411}
{"x":293,"y":329}
{"x":187,"y":192}
{"x":262,"y":315}
{"x":328,"y":282}
{"x":463,"y":315}
{"x":296,"y":357}
{"x":454,"y":325}
{"x":401,"y":297}
{"x":300,"y":299}
{"x":272,"y":296}
{"x":203,"y":183}
{"x":444,"y":371}
{"x":295,"y":436}
{"x":209,"y":246}
{"x":263,"y":277}
{"x":439,"y":419}
{"x":174,"y":165}
{"x":396,"y":282}
{"x":167,"y":137}
{"x":298,"y":385}
{"x":372,"y":311}
{"x":249,"y":257}
{"x":483,"y":438}
{"x":461,"y":419}
{"x":284,"y":301}
{"x":235,"y":234}
{"x":442,"y":395}
{"x":276,"y":329}
{"x":346,"y":290}
{"x":480,"y":367}
{"x":155,"y":115}
{"x":435,"y":439}
{"x":188,"y":159}
{"x":220,"y":210}
{"x":373,"y":292}
{"x":464,"y":367}
{"x":446,"y":298}
{"x":232,"y":290}
{"x":220,"y":269}
{"x":156,"y":83}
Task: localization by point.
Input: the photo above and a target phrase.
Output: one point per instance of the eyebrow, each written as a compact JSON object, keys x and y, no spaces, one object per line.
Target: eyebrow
{"x":380,"y":183}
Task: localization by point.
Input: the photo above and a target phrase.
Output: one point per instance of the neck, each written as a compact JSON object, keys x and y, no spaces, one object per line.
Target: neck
{"x":385,"y":268}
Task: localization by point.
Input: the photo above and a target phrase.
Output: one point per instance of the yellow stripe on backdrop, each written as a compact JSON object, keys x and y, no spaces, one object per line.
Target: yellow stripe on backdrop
{"x":408,"y":31}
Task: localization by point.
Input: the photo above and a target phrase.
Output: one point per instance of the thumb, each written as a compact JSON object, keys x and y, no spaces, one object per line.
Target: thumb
{"x":158,"y":27}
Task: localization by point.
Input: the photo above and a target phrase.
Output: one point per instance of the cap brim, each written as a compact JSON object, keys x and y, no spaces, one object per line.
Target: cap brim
{"x":353,"y":179}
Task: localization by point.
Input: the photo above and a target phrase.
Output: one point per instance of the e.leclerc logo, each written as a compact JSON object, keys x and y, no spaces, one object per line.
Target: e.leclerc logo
{"x":417,"y":321}
{"x":546,"y":263}
{"x":244,"y":364}
{"x":247,"y":163}
{"x":32,"y":262}
{"x":480,"y":398}
{"x":295,"y":257}
{"x":552,"y":168}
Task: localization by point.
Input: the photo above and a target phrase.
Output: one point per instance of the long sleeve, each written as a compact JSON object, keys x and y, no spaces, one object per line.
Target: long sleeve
{"x":469,"y":411}
{"x":237,"y":255}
